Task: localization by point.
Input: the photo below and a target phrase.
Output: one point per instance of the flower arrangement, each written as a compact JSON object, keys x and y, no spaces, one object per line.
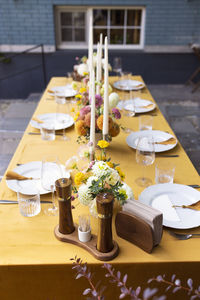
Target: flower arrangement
{"x":83,"y":116}
{"x":101,"y":175}
{"x":81,"y":68}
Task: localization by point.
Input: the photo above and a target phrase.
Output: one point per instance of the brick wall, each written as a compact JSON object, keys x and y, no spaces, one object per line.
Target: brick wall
{"x":168,"y":22}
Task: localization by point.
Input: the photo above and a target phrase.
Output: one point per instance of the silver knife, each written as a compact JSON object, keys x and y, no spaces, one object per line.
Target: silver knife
{"x":38,"y":133}
{"x":16,"y":202}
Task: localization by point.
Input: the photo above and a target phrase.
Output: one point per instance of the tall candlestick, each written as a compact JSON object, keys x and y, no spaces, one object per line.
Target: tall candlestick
{"x":90,"y":52}
{"x":105,"y":110}
{"x":100,"y":55}
{"x":92,"y":118}
{"x":98,"y":70}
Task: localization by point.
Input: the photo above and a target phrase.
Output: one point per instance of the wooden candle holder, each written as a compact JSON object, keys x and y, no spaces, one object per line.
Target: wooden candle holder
{"x":89,"y":246}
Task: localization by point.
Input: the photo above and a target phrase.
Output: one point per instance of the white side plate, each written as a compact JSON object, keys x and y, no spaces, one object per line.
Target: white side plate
{"x":60,"y":120}
{"x":163,"y":196}
{"x":157,"y":135}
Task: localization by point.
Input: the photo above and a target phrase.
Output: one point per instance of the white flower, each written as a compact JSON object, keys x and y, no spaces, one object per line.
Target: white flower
{"x":84,"y":195}
{"x":100,"y":168}
{"x":82,"y":69}
{"x":113,"y":177}
{"x":109,"y":89}
{"x":93,"y":208}
{"x":128,"y":191}
{"x":90,"y":179}
{"x":71,"y":163}
{"x":113,"y":100}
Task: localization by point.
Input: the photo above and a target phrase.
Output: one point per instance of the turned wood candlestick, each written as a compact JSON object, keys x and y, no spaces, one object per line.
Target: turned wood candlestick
{"x":105,"y":210}
{"x":63,"y":191}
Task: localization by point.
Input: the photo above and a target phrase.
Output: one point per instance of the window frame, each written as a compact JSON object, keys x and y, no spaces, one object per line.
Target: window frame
{"x":88,"y":12}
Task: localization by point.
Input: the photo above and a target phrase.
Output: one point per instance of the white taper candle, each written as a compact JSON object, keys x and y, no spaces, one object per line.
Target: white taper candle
{"x":92,"y":118}
{"x":106,"y":107}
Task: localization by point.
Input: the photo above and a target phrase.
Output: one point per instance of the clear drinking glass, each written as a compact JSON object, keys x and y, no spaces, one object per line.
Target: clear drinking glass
{"x":47,"y":131}
{"x":125,"y":81}
{"x":128,"y":104}
{"x":164,"y":172}
{"x":145,"y":156}
{"x":29,"y":205}
{"x":145,"y":122}
{"x":51,"y":171}
{"x":61,"y":109}
{"x":117,"y":65}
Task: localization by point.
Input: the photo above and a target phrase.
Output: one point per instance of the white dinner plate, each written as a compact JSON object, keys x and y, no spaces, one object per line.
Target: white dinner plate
{"x":137,"y":104}
{"x":63,"y":91}
{"x":163,"y":196}
{"x":60,"y":121}
{"x":158,"y":136}
{"x":129,"y":85}
{"x":31,"y":169}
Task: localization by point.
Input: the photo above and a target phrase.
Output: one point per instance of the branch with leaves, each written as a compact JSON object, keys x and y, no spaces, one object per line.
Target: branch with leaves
{"x":96,"y":291}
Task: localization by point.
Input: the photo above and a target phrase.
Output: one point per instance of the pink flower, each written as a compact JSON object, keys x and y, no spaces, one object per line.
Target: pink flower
{"x":116,"y":113}
{"x":76,"y":58}
{"x":98,"y":100}
{"x":84,"y":111}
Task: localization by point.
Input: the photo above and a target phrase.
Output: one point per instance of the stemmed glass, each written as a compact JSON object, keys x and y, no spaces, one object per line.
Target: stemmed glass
{"x":61,"y":107}
{"x":145,"y":156}
{"x":117,"y":65}
{"x":51,"y":171}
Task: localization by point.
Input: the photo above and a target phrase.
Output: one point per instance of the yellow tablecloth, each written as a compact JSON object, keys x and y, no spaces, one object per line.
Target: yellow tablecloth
{"x":35,"y":265}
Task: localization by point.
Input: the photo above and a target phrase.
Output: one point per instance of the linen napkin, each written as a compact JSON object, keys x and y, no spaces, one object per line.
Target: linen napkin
{"x":10,"y":175}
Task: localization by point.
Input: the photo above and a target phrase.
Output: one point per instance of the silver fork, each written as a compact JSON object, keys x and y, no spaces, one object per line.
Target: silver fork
{"x":182,"y":236}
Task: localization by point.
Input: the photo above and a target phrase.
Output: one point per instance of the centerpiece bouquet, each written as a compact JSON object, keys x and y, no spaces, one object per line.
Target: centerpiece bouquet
{"x":101,"y":175}
{"x":83,"y":116}
{"x":81,"y":68}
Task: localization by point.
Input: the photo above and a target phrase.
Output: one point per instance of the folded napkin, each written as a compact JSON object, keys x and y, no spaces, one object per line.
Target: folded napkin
{"x":13,"y":175}
{"x":170,"y":141}
{"x":37,"y":120}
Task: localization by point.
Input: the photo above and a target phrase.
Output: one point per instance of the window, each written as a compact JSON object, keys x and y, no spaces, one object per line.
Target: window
{"x":122,"y":26}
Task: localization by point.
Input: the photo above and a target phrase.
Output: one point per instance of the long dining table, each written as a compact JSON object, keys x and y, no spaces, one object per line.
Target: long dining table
{"x":35,"y":265}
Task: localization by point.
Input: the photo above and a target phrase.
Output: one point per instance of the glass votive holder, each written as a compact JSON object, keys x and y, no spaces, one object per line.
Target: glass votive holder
{"x":29,"y":205}
{"x":145,"y":122}
{"x":47,"y":131}
{"x":84,"y":229}
{"x":164,"y":172}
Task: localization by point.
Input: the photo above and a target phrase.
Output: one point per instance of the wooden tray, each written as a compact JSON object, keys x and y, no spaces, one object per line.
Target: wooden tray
{"x":90,"y":246}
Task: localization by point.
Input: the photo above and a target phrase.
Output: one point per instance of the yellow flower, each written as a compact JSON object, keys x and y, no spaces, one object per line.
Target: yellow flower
{"x":83,"y":90}
{"x":79,"y":96}
{"x":79,"y":178}
{"x":72,"y":109}
{"x":85,"y":73}
{"x":121,"y":174}
{"x":78,"y":102}
{"x":98,"y":157}
{"x":76,"y":116}
{"x":110,"y":164}
{"x":103,"y":144}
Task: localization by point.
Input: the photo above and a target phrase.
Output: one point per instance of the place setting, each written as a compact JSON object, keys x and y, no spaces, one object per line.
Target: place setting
{"x":66,"y":91}
{"x":126,"y":83}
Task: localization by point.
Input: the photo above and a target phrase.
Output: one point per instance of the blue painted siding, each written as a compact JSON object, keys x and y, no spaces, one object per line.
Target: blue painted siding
{"x":168,"y":22}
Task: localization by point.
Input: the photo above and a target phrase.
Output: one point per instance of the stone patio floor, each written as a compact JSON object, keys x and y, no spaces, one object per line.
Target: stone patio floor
{"x":180,"y":107}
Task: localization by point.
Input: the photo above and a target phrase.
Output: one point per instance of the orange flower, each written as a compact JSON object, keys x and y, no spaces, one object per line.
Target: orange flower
{"x":114,"y":130}
{"x":100,"y":122}
{"x":80,"y":127}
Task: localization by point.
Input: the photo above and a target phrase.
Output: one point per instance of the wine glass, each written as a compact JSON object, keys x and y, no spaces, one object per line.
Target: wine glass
{"x":51,"y":171}
{"x":145,"y":156}
{"x":62,"y":107}
{"x":117,"y":65}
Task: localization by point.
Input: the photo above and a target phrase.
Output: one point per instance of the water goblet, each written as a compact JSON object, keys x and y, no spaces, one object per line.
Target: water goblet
{"x":62,"y":107}
{"x":51,"y":171}
{"x":117,"y":65}
{"x":145,"y":156}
